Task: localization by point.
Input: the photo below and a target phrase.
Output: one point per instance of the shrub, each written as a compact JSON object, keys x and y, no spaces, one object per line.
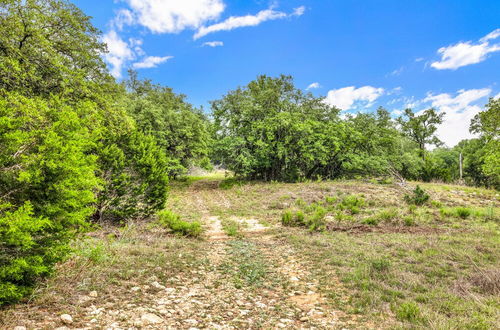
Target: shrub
{"x":373,"y":221}
{"x":173,"y":221}
{"x":231,"y":228}
{"x":134,"y":170}
{"x":418,"y":197}
{"x":352,"y":203}
{"x":408,"y":311}
{"x":293,"y":220}
{"x":387,"y":215}
{"x":46,"y":182}
{"x":317,"y":221}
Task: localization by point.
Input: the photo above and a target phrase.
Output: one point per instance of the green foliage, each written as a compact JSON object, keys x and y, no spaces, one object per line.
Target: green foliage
{"x":422,"y":128}
{"x":290,"y":219}
{"x":408,"y":311}
{"x":231,"y":228}
{"x":182,"y":132}
{"x":352,"y":203}
{"x":134,"y":170}
{"x":418,"y":197}
{"x":271,"y":130}
{"x":47,"y":185}
{"x":463,"y":212}
{"x":172,"y":221}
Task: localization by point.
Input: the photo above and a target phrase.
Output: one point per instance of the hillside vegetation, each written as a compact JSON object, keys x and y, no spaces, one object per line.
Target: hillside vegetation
{"x":379,"y":263}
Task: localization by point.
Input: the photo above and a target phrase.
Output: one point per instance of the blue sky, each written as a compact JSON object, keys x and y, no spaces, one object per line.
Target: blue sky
{"x":357,"y":54}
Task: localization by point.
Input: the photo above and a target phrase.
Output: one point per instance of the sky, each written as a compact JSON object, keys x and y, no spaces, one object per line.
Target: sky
{"x":357,"y":54}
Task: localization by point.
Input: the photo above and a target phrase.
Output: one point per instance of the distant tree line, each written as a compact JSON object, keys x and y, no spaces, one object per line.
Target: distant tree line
{"x":270,"y":130}
{"x":76,"y":146}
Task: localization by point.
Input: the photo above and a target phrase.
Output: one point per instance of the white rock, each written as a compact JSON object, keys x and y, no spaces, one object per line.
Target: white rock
{"x":150,"y":318}
{"x":135,"y":289}
{"x":20,"y":327}
{"x":66,"y":318}
{"x":294,"y":279}
{"x":157,"y":285}
{"x":191,"y":321}
{"x":93,"y":294}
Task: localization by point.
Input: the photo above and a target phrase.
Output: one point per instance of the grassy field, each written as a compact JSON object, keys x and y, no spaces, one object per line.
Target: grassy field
{"x":363,"y":258}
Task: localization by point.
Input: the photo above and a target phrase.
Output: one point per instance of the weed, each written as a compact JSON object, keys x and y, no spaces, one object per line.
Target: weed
{"x":352,"y":203}
{"x":231,"y":228}
{"x":418,"y":197}
{"x":373,"y":221}
{"x":463,"y":212}
{"x":408,"y":311}
{"x":409,"y":221}
{"x":317,"y":221}
{"x":381,"y":264}
{"x":170,"y":220}
{"x":388,"y":215}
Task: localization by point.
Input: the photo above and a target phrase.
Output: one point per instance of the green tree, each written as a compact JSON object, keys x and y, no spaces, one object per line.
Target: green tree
{"x":421,"y":128}
{"x":487,"y":125}
{"x":181,"y":131}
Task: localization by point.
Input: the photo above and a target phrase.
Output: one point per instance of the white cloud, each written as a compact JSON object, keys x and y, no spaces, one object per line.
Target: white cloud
{"x":234,"y":22}
{"x":164,"y":16}
{"x":466,"y":53}
{"x":344,"y":98}
{"x":213,"y":43}
{"x":119,"y":52}
{"x":497,"y":96}
{"x":151,"y":62}
{"x":491,"y":36}
{"x":313,"y":86}
{"x":460,"y":110}
{"x":123,"y":17}
{"x":419,"y":59}
{"x":397,"y":72}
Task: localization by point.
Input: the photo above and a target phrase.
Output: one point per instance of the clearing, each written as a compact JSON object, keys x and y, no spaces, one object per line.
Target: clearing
{"x":380,"y":264}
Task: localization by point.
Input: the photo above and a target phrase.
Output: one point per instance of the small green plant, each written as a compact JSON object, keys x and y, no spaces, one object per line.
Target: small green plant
{"x":463,"y":212}
{"x":388,"y":215}
{"x":317,"y":221}
{"x":372,"y":221}
{"x":169,"y":219}
{"x":381,"y":264}
{"x":287,"y":218}
{"x":418,"y":197}
{"x":408,"y":311}
{"x":352,"y":203}
{"x":231,"y":228}
{"x":331,"y":199}
{"x":409,"y":221}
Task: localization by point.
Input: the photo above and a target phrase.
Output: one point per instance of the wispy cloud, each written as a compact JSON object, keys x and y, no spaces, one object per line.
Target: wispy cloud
{"x":119,"y":52}
{"x":213,"y":43}
{"x":314,"y":85}
{"x":151,"y":62}
{"x":467,"y":53}
{"x":234,"y":22}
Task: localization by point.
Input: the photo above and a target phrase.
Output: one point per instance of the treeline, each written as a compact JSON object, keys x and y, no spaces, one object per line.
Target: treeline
{"x":270,"y":130}
{"x":77,"y":147}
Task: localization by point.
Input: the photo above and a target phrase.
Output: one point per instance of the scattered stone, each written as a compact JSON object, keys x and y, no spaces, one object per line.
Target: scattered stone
{"x":93,"y":294}
{"x":135,"y":288}
{"x":158,"y":286}
{"x":304,"y":319}
{"x":150,"y":318}
{"x":20,"y":327}
{"x":66,"y":318}
{"x":294,"y":279}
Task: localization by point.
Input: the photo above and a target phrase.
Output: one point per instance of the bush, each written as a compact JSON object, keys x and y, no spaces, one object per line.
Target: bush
{"x":352,"y":203}
{"x":172,"y":221}
{"x":47,"y":182}
{"x":317,"y":221}
{"x":134,"y":171}
{"x":290,"y":219}
{"x":418,"y":197}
